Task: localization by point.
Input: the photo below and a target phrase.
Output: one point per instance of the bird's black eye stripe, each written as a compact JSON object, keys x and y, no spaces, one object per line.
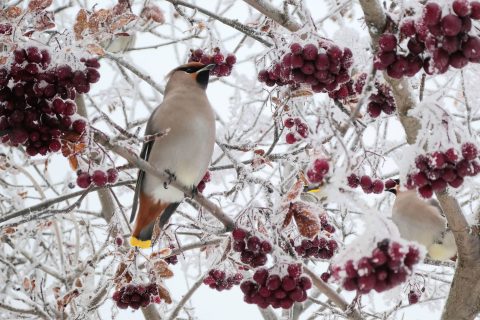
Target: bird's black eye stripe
{"x":190,"y":69}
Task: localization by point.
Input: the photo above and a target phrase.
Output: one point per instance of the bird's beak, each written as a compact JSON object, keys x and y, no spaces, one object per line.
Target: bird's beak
{"x":208,"y":67}
{"x":392,"y":190}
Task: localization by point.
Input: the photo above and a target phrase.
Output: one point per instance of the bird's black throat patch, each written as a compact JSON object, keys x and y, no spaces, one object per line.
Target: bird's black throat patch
{"x":202,"y":78}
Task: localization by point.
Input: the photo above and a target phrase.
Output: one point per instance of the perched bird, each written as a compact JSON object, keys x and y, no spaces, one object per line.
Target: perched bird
{"x":423,"y":222}
{"x":184,"y":153}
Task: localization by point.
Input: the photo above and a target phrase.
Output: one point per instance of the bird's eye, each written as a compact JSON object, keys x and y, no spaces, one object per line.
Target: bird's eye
{"x":189,"y":70}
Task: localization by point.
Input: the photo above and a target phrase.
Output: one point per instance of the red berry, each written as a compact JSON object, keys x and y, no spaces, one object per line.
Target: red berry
{"x":321,"y":166}
{"x":231,"y":59}
{"x":413,"y":297}
{"x":290,"y":138}
{"x":377,"y":186}
{"x":451,"y":25}
{"x":84,"y":180}
{"x":461,"y":7}
{"x":79,"y":126}
{"x":408,"y":27}
{"x":239,"y":234}
{"x":54,"y":145}
{"x":353,"y":180}
{"x":112,"y":175}
{"x":426,"y":191}
{"x":387,"y":42}
{"x":99,"y":178}
{"x":469,"y":151}
{"x":366,"y":182}
{"x":310,"y":52}
{"x":432,"y":13}
{"x":296,"y":48}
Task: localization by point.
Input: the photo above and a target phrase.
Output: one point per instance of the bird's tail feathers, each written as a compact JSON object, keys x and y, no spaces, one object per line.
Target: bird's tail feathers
{"x":144,"y":239}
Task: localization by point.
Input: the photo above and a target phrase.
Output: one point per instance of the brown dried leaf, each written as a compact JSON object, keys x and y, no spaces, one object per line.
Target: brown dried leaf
{"x":9,"y":230}
{"x":73,"y":161}
{"x":67,"y":298}
{"x":26,"y":284}
{"x":98,"y":18}
{"x":288,"y":217}
{"x":95,"y":49}
{"x":13,"y":12}
{"x":307,"y":222}
{"x":301,"y":93}
{"x":163,"y":293}
{"x":162,"y":270}
{"x":124,"y":20}
{"x":152,"y":12}
{"x":161,"y":253}
{"x":38,"y":5}
{"x":81,"y":23}
{"x":3,"y":59}
{"x":45,"y":20}
{"x":78,"y":283}
{"x":294,"y":191}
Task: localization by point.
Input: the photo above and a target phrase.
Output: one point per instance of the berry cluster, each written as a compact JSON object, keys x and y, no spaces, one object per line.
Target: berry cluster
{"x":319,"y":248}
{"x":367,"y":184}
{"x":223,"y":65}
{"x":99,"y":178}
{"x":36,"y":100}
{"x":269,"y":288}
{"x":219,"y":281}
{"x":318,"y":171}
{"x":136,"y":296}
{"x":439,"y":169}
{"x":202,"y":184}
{"x":380,"y":101}
{"x":388,"y":266}
{"x":444,"y":38}
{"x":253,"y":250}
{"x":298,"y":130}
{"x":323,"y":66}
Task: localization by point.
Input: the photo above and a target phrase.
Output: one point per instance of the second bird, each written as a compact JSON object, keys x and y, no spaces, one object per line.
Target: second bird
{"x":423,"y":222}
{"x":184,"y":153}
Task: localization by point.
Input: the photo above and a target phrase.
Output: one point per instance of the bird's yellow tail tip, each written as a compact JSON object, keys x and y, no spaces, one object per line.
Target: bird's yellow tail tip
{"x":144,"y":244}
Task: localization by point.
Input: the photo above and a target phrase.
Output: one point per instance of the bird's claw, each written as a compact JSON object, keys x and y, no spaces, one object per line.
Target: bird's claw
{"x":171,"y":177}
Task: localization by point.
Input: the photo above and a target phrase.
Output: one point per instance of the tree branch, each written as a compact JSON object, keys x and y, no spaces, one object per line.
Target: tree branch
{"x":185,"y":298}
{"x":275,"y":14}
{"x":215,"y":210}
{"x":332,"y":294}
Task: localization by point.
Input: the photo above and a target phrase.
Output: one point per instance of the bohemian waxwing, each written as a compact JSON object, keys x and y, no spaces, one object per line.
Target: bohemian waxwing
{"x":184,"y":152}
{"x":423,"y":222}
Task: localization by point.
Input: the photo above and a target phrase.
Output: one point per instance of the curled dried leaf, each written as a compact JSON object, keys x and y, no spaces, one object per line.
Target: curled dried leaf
{"x":307,"y":221}
{"x":161,"y":253}
{"x":99,"y":18}
{"x":161,"y":269}
{"x":26,"y":284}
{"x":95,"y":49}
{"x":120,"y":23}
{"x":294,"y":191}
{"x":9,"y":230}
{"x":67,"y":298}
{"x":152,"y":12}
{"x":81,"y":23}
{"x":45,"y":20}
{"x":163,"y":293}
{"x":38,"y":5}
{"x":73,"y":161}
{"x":13,"y":12}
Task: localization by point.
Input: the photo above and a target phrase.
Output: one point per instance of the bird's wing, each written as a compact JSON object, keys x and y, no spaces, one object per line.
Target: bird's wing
{"x":436,"y":204}
{"x":147,"y":147}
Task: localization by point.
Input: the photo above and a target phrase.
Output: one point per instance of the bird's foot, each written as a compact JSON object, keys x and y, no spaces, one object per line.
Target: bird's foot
{"x":193,"y":193}
{"x":171,"y":177}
